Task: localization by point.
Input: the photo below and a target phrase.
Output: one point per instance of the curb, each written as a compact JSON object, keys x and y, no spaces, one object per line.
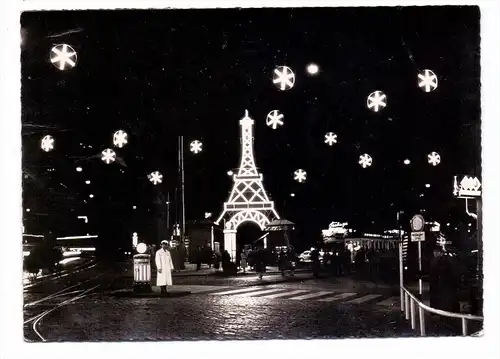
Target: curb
{"x":129,"y":293}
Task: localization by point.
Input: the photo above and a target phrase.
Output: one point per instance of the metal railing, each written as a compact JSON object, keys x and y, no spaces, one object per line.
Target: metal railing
{"x":409,"y":303}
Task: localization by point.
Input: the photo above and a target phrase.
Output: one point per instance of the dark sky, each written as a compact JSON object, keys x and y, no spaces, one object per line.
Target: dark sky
{"x":159,"y":74}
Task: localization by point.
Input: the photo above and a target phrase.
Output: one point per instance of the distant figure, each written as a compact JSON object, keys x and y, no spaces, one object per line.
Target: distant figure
{"x":316,"y":264}
{"x":164,"y":266}
{"x":243,"y":261}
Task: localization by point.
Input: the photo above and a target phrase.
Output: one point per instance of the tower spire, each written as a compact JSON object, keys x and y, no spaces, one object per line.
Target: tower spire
{"x":247,"y":163}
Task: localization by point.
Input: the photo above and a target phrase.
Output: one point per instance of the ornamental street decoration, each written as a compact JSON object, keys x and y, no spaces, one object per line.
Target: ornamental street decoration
{"x":108,"y":156}
{"x":468,"y":187}
{"x":120,"y":138}
{"x":155,"y":177}
{"x":195,"y":146}
{"x":427,"y":80}
{"x":47,"y":143}
{"x":300,"y":175}
{"x":365,"y":160}
{"x":274,"y":119}
{"x":63,"y":57}
{"x":330,"y":138}
{"x":376,"y":101}
{"x":434,"y":158}
{"x":284,"y":78}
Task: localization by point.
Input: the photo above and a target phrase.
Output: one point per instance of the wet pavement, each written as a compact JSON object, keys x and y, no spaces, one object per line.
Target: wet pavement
{"x":211,"y":317}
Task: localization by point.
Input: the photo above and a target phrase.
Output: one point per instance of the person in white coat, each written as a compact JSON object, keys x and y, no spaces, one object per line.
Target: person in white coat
{"x":164,"y":266}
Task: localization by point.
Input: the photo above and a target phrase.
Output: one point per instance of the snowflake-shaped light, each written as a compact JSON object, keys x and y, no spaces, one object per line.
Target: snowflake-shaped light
{"x":365,"y":160}
{"x":195,"y":146}
{"x":47,"y":143}
{"x":284,"y":78}
{"x":62,"y":55}
{"x":434,"y":158}
{"x":120,"y":138}
{"x":274,"y":119}
{"x":428,"y":80}
{"x":330,"y":138}
{"x":156,"y":177}
{"x":108,"y":156}
{"x":300,"y":175}
{"x":376,"y":101}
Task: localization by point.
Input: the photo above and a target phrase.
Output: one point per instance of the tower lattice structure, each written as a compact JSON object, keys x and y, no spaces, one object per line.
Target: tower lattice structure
{"x":248,"y":200}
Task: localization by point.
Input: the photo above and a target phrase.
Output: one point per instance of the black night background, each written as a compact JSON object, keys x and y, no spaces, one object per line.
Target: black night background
{"x":161,"y":74}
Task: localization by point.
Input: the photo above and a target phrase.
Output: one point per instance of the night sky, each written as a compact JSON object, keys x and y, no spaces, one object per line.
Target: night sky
{"x":160,"y":74}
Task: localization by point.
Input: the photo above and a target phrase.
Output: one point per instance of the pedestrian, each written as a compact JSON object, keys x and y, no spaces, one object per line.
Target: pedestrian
{"x":243,"y":261}
{"x":316,"y":264}
{"x":164,"y":266}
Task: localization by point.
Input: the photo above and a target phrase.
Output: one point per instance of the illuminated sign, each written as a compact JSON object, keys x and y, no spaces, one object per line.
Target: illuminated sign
{"x":468,"y":187}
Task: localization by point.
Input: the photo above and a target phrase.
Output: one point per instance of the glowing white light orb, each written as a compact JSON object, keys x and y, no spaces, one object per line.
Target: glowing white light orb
{"x":87,"y":182}
{"x":427,"y":80}
{"x":376,"y":101}
{"x":434,"y":158}
{"x":91,"y":196}
{"x":284,"y":78}
{"x":195,"y":146}
{"x":300,"y":175}
{"x":63,"y":57}
{"x":427,"y":185}
{"x":47,"y":143}
{"x":156,"y":177}
{"x":292,"y":194}
{"x":141,"y":248}
{"x":134,"y":207}
{"x":120,"y":138}
{"x":79,"y":169}
{"x":108,"y":156}
{"x":230,"y":173}
{"x":330,"y":138}
{"x":365,"y":160}
{"x":406,"y":162}
{"x":274,"y":119}
{"x":312,"y":69}
{"x":28,"y":210}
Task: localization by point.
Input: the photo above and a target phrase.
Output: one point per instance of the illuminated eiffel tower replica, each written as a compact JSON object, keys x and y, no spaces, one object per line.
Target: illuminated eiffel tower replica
{"x":248,"y":201}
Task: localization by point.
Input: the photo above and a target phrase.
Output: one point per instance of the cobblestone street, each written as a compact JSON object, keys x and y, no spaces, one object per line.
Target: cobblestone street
{"x":208,"y":317}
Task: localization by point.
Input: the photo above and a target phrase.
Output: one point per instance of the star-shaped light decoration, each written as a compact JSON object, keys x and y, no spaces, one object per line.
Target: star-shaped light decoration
{"x":365,"y":160}
{"x":376,"y":101}
{"x":330,"y":138}
{"x":427,"y":80}
{"x":108,"y":156}
{"x":300,"y":175}
{"x":63,"y":57}
{"x":47,"y":143}
{"x":155,"y":177}
{"x":274,"y":119}
{"x":434,"y":158}
{"x":195,"y":146}
{"x":120,"y":138}
{"x":284,"y":78}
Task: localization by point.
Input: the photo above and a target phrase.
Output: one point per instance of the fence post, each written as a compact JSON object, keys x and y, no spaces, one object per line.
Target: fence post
{"x":421,"y":314}
{"x":464,"y":327}
{"x":412,"y":313}
{"x":407,"y":307}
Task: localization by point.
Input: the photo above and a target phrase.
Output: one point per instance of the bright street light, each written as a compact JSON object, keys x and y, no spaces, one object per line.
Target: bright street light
{"x":292,"y":194}
{"x":87,"y":182}
{"x":79,"y":169}
{"x":230,"y":173}
{"x":406,"y":162}
{"x":27,"y":209}
{"x":427,"y":185}
{"x":134,"y":207}
{"x":91,"y":195}
{"x":312,"y":69}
